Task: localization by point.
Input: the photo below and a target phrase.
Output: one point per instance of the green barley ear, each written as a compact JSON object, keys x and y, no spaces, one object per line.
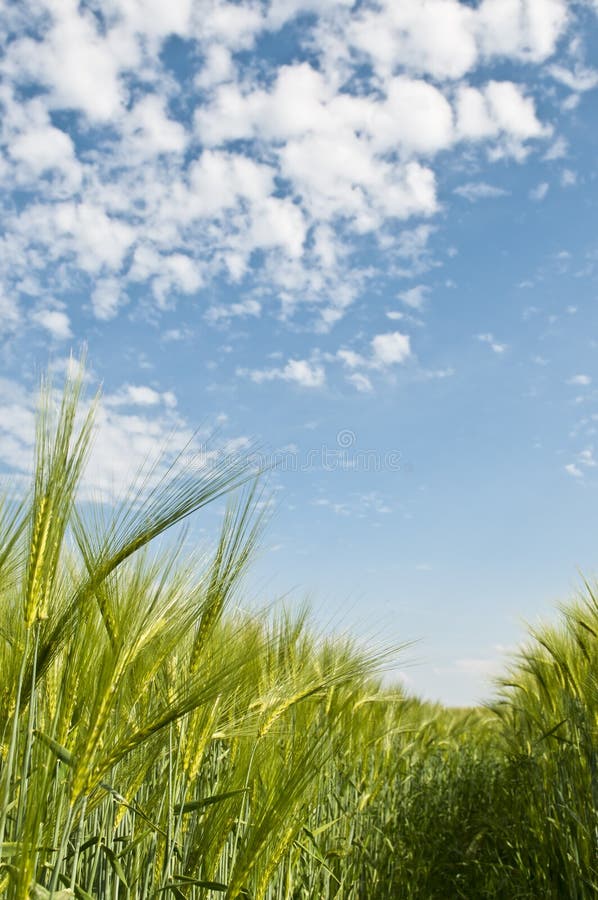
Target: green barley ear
{"x":61,"y":449}
{"x":240,"y":532}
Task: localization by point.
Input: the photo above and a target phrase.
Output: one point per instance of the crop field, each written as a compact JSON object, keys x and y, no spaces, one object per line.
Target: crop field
{"x":156,"y":742}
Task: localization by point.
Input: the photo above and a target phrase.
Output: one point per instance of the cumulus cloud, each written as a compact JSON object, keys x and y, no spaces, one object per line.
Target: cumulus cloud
{"x":135,"y":180}
{"x":298,"y":371}
{"x":39,"y":147}
{"x":140,"y":395}
{"x":106,"y":298}
{"x":524,"y":29}
{"x":390,"y":349}
{"x":502,"y":111}
{"x":54,"y":321}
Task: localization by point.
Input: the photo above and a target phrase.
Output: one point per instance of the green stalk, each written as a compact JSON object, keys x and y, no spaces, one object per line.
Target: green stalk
{"x":80,"y":834}
{"x":30,"y":730}
{"x":14,"y":740}
{"x":57,"y":871}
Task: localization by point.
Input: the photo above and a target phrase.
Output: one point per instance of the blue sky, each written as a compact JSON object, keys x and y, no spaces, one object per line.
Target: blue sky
{"x":360,"y":236}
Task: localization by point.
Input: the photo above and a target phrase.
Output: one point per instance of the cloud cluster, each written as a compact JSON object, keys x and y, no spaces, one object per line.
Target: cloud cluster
{"x":132,"y":163}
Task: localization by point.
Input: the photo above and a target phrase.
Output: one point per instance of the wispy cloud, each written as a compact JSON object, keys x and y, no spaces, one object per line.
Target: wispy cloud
{"x":479,"y":190}
{"x":579,"y":79}
{"x":243,"y":308}
{"x":539,"y":192}
{"x":360,"y":382}
{"x":415,"y":297}
{"x":488,"y":338}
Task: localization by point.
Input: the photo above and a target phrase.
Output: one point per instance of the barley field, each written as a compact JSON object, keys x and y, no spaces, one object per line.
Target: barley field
{"x":156,"y":742}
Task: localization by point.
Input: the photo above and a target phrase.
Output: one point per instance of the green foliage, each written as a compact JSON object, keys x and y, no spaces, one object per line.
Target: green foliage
{"x":155,"y":743}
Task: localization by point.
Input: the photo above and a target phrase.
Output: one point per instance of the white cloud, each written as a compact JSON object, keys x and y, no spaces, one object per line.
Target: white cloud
{"x":415,"y":297}
{"x":586,"y":458}
{"x":557,"y":150}
{"x":271,"y":173}
{"x":570,"y":103}
{"x":524,"y":29}
{"x":17,"y":426}
{"x":282,"y":11}
{"x":219,"y":181}
{"x":580,"y":79}
{"x":350,"y":182}
{"x":435,"y":38}
{"x":433,"y":374}
{"x":539,"y":192}
{"x":479,"y":190}
{"x":96,"y":238}
{"x":170,"y":274}
{"x":304,"y":373}
{"x":360,"y":382}
{"x":499,"y":110}
{"x":106,"y":298}
{"x":232,"y":24}
{"x":10,"y":314}
{"x":278,"y":223}
{"x":351,"y":359}
{"x":243,"y":308}
{"x":390,"y":349}
{"x":218,"y":67}
{"x":488,"y":338}
{"x":153,"y":18}
{"x":415,"y":115}
{"x":568,"y":178}
{"x":513,"y":112}
{"x":140,"y":395}
{"x":298,"y":371}
{"x":54,"y":321}
{"x":73,"y":61}
{"x":44,"y":148}
{"x":149,"y":131}
{"x":346,"y":133}
{"x":580,"y":380}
